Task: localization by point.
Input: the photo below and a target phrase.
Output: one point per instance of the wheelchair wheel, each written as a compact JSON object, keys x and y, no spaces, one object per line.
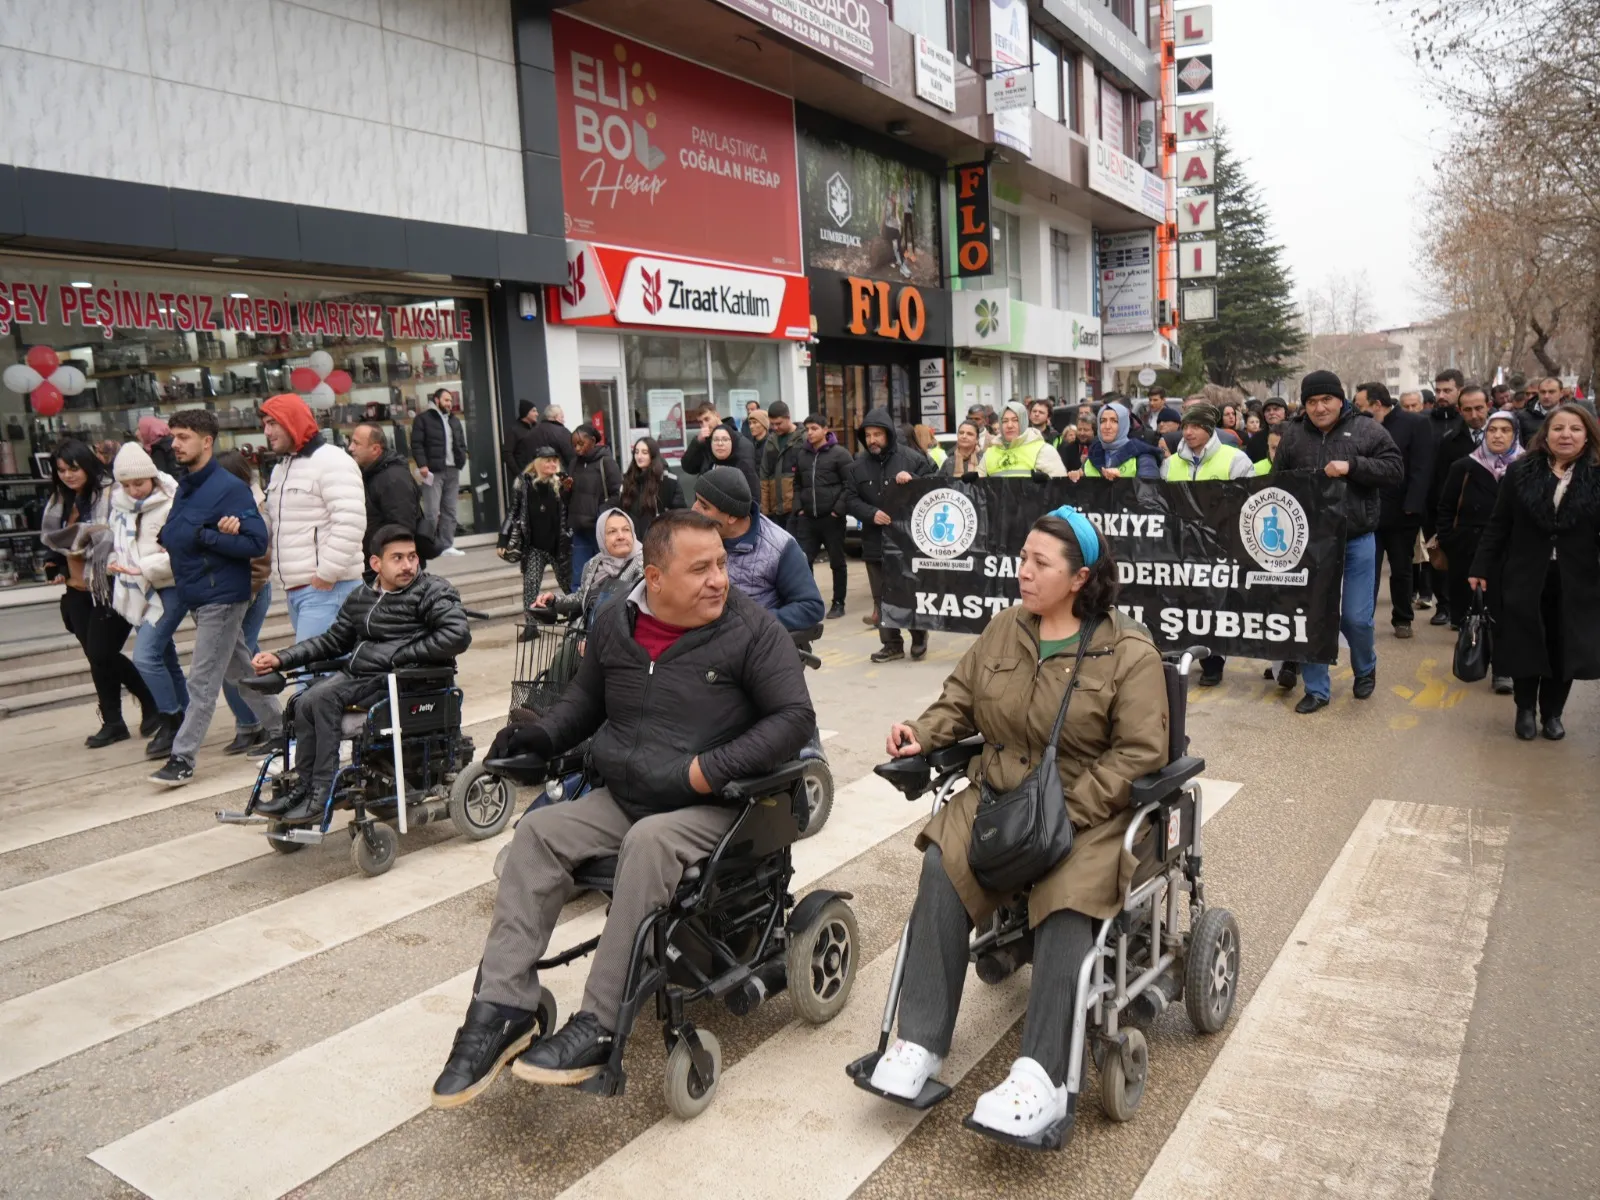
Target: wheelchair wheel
{"x":687,"y":1094}
{"x":1211,"y":976}
{"x":1123,"y":1076}
{"x":282,"y":847}
{"x":819,"y":797}
{"x":821,"y":963}
{"x":370,"y":861}
{"x":480,"y":803}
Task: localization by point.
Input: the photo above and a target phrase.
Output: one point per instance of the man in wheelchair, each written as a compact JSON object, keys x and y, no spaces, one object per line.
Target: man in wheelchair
{"x":403,"y":618}
{"x":685,"y":687}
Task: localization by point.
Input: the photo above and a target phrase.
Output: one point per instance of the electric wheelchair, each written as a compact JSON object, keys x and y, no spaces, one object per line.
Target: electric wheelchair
{"x":1142,"y":960}
{"x":732,"y":932}
{"x":426,"y":748}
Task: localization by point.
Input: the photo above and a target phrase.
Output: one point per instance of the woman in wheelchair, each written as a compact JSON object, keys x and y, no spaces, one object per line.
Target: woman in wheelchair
{"x":615,"y":571}
{"x":1009,"y":687}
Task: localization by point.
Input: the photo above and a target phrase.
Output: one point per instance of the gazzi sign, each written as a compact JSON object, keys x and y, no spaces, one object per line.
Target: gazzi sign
{"x":658,"y":291}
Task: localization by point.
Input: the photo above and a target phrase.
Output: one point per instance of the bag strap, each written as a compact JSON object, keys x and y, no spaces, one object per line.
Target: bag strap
{"x":1085,"y":634}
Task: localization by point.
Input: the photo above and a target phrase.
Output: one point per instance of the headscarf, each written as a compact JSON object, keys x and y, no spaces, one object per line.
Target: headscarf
{"x":1123,"y":422}
{"x":1021,"y":409}
{"x":1496,"y":464}
{"x":609,"y":565}
{"x":151,"y":431}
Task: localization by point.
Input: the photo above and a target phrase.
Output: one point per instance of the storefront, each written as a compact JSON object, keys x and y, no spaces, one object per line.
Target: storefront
{"x":1012,"y":350}
{"x":683,"y":256}
{"x":87,"y":348}
{"x":875,"y":261}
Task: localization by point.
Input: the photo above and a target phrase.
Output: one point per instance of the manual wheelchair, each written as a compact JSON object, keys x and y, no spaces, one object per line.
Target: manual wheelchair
{"x":427,"y":749}
{"x":1142,"y":961}
{"x":732,"y":932}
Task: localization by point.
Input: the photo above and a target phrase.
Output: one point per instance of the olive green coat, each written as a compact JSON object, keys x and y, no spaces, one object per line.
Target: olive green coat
{"x":1116,"y":731}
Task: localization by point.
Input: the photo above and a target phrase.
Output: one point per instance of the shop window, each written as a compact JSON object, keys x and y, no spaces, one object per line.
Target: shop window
{"x":930,"y":18}
{"x":1047,"y":75}
{"x":668,"y":378}
{"x":742,"y":372}
{"x":226,"y":342}
{"x":1011,"y":223}
{"x":1060,"y":269}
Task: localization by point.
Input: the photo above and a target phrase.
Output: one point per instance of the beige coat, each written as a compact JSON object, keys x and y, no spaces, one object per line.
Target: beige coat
{"x":1116,"y":731}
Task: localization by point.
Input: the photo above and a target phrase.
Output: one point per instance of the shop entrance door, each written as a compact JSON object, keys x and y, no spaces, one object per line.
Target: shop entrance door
{"x":602,"y":413}
{"x":847,"y":392}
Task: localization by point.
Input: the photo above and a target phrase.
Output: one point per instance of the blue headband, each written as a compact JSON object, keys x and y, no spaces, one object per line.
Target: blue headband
{"x":1082,"y":529}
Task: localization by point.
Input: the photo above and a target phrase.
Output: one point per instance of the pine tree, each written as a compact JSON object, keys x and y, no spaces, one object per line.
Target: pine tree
{"x":1255,"y":335}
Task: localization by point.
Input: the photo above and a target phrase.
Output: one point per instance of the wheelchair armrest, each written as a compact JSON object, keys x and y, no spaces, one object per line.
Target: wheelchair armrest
{"x":910,"y":776}
{"x":523,"y":770}
{"x":269,"y":684}
{"x":804,"y":637}
{"x":1163,"y":784}
{"x":955,"y":757}
{"x":781,"y":780}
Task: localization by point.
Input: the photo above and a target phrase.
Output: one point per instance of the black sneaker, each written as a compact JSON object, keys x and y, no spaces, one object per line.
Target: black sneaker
{"x":160,"y":746}
{"x":1441,"y":616}
{"x":245,"y":739}
{"x":1310,"y":704}
{"x":888,"y":654}
{"x":1552,"y":728}
{"x":1288,"y":675}
{"x":176,"y":773}
{"x":836,"y":611}
{"x":919,"y":651}
{"x":575,"y":1053}
{"x":307,"y":807}
{"x":107,"y":735}
{"x":1402,"y":631}
{"x":1365,"y":686}
{"x":486,"y":1042}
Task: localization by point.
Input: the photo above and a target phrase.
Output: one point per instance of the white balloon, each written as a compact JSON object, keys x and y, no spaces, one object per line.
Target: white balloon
{"x":20,"y":377}
{"x":321,"y":362}
{"x":70,"y":380}
{"x":321,"y":396}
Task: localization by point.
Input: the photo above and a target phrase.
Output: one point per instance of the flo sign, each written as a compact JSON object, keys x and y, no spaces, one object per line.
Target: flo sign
{"x":658,"y":291}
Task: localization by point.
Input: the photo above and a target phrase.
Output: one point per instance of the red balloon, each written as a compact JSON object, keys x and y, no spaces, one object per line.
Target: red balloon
{"x":46,"y":397}
{"x":303,"y":379}
{"x":44,"y":360}
{"x":339,"y":381}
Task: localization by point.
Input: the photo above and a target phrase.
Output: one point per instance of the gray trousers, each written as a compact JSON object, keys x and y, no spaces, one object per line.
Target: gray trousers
{"x":936,"y":969}
{"x":652,"y":855}
{"x":318,"y":713}
{"x":220,"y":654}
{"x":439,"y":505}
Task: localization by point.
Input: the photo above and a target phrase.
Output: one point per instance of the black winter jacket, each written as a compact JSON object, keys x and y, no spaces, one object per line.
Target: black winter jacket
{"x":1407,"y":501}
{"x":1455,"y":445}
{"x":393,"y":498}
{"x":596,"y":486}
{"x":540,"y":513}
{"x":669,"y":495}
{"x":1466,"y":501}
{"x":820,"y":477}
{"x":422,"y":625}
{"x":550,"y":433}
{"x":427,"y":440}
{"x":1374,"y":461}
{"x":522,"y":439}
{"x":870,"y":477}
{"x":698,"y":459}
{"x":731,"y":692}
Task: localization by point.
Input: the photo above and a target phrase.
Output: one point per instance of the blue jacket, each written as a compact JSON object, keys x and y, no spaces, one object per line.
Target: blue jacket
{"x":210,"y":567}
{"x":1148,"y":465}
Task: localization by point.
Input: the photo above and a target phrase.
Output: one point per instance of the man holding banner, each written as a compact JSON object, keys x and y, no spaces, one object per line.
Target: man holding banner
{"x":1328,"y":436}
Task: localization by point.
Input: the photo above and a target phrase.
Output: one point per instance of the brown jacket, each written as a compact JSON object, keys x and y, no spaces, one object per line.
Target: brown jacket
{"x":1116,"y":731}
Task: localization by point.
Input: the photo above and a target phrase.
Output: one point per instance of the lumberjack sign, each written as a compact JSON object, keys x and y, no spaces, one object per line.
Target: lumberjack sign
{"x":974,"y":250}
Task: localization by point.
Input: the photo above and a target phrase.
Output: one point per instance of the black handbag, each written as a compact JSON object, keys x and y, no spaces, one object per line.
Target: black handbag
{"x":1474,"y":643}
{"x":1020,"y":835}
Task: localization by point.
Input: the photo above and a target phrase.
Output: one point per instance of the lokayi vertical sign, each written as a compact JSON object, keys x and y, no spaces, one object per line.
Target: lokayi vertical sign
{"x":1196,"y":170}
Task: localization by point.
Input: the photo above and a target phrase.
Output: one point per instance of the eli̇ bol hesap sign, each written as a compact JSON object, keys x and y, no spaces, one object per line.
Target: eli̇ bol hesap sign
{"x":1251,"y":567}
{"x":663,"y":155}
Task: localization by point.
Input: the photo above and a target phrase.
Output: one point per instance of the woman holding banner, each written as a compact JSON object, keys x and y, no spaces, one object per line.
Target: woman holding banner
{"x":1539,"y":558}
{"x":1116,"y":455}
{"x":1010,"y":686}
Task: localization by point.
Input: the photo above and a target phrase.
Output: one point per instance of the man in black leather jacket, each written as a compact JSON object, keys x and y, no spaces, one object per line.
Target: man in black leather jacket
{"x":401,"y":619}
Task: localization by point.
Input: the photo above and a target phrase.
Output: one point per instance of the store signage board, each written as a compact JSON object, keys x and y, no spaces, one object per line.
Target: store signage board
{"x":1193,"y":26}
{"x":1198,"y":303}
{"x":1147,"y":376}
{"x":1197,"y":121}
{"x":666,"y":416}
{"x":1196,"y":167}
{"x":1011,"y":50}
{"x":983,"y":317}
{"x":1127,"y":282}
{"x":1197,"y":213}
{"x":1197,"y":260}
{"x":1112,"y":173}
{"x":854,"y":32}
{"x":681,"y":295}
{"x":867,"y":214}
{"x":931,"y":368}
{"x":974,"y":238}
{"x":666,"y":156}
{"x":935,"y":74}
{"x":1109,"y":38}
{"x":1195,"y":74}
{"x":587,"y":292}
{"x":1012,"y":92}
{"x":860,"y":308}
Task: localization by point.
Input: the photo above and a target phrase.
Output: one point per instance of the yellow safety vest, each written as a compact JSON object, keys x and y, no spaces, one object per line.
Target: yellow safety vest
{"x":1215,"y":467}
{"x":1000,"y":461}
{"x":1264,"y":467}
{"x":937,"y":454}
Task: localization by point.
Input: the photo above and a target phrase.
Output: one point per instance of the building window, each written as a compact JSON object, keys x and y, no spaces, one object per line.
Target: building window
{"x":1123,"y":11}
{"x":930,"y":18}
{"x":1047,"y":75}
{"x":1059,"y":275}
{"x":1011,"y":239}
{"x":1072,"y":83}
{"x":961,"y":28}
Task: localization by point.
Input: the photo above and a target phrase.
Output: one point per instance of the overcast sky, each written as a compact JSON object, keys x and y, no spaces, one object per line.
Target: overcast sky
{"x":1326,"y":102}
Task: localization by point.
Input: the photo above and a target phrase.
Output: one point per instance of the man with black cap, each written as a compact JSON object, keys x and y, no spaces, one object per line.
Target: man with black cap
{"x":881,"y":465}
{"x":820,"y":466}
{"x":522,"y":438}
{"x":1330,"y":437}
{"x":764,"y":560}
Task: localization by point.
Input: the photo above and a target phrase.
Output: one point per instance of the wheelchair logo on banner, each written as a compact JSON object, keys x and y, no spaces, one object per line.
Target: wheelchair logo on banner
{"x":944,"y":525}
{"x":1275,"y":531}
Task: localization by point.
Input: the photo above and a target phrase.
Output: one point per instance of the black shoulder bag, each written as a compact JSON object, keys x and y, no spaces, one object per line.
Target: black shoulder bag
{"x":1018,"y":836}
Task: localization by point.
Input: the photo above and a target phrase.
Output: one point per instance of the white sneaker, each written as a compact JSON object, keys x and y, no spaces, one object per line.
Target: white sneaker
{"x":1025,"y":1104}
{"x":905,"y":1069}
{"x":452,"y":552}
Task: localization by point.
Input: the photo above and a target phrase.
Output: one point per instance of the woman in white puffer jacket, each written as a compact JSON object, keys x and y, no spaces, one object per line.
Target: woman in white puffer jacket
{"x":142,"y":590}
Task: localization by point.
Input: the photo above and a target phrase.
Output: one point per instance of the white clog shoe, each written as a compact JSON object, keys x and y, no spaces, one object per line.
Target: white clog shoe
{"x":1024,"y":1105}
{"x":905,"y":1069}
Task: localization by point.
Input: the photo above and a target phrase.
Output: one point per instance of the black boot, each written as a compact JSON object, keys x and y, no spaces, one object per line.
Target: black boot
{"x":570,"y":1056}
{"x":1527,"y":724}
{"x":489,"y":1038}
{"x":109,"y":733}
{"x":1553,"y":729}
{"x":246,"y":738}
{"x":150,"y":722}
{"x":161,"y":745}
{"x":307,"y":807}
{"x":288,"y":793}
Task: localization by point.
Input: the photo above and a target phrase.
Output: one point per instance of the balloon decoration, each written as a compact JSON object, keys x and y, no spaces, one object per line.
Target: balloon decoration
{"x":43,"y":360}
{"x":46,"y":399}
{"x":320,"y":396}
{"x":45,"y":380}
{"x":303,"y":379}
{"x":318,"y":382}
{"x":322,"y":363}
{"x":340,"y":381}
{"x":68,"y":379}
{"x":20,"y":377}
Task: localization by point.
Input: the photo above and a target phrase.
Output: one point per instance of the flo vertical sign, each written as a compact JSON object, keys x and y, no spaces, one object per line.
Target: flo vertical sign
{"x":974,"y":239}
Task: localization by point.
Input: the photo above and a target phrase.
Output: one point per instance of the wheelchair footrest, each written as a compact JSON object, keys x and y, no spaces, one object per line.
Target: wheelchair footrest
{"x":302,"y":837}
{"x":604,"y":1083}
{"x":1051,"y":1137}
{"x":861,"y":1071}
{"x":239,"y":818}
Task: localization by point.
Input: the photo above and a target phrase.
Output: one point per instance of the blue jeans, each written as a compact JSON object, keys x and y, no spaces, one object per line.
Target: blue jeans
{"x":1356,"y":609}
{"x":312,"y":612}
{"x":156,"y":658}
{"x":584,"y":547}
{"x":254,"y":617}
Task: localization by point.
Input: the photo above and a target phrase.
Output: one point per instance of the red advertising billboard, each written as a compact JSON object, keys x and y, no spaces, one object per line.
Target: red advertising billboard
{"x":660,"y":154}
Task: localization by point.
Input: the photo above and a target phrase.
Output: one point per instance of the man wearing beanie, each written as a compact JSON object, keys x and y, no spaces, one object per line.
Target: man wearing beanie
{"x":317,"y":511}
{"x":764,"y":561}
{"x":881,"y":465}
{"x":522,"y":439}
{"x":820,"y":468}
{"x":1328,"y":435}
